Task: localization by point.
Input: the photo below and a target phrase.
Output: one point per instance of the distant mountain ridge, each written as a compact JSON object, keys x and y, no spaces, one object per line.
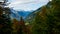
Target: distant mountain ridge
{"x":18,"y":14}
{"x":32,"y":15}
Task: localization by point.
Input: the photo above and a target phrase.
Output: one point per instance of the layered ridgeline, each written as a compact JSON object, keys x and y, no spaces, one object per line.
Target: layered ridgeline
{"x":46,"y":20}
{"x":32,"y":15}
{"x":17,"y":14}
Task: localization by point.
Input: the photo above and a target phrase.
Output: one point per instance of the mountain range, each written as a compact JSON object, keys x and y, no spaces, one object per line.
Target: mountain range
{"x":21,"y":13}
{"x":32,"y":15}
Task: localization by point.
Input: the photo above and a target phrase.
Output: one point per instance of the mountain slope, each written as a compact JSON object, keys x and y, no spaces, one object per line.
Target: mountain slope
{"x":47,"y":20}
{"x":18,"y":14}
{"x":32,"y":15}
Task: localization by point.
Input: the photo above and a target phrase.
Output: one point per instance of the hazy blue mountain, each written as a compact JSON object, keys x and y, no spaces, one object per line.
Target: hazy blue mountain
{"x":23,"y":13}
{"x":17,"y":14}
{"x":32,"y":15}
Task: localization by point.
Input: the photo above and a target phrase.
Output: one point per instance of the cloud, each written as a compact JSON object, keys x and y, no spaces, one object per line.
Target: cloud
{"x":27,"y":4}
{"x":1,"y":0}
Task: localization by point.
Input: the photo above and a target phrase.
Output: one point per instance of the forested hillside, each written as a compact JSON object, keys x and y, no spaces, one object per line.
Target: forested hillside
{"x":47,"y":20}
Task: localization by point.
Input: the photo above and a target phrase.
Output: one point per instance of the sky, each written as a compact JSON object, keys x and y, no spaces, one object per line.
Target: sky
{"x":1,"y":0}
{"x":27,"y":5}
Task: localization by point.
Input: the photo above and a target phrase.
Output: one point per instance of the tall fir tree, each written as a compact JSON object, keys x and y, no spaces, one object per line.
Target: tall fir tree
{"x":5,"y":21}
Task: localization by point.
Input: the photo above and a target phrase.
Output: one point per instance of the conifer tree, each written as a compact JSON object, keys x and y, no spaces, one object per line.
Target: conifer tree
{"x":21,"y":26}
{"x":5,"y":21}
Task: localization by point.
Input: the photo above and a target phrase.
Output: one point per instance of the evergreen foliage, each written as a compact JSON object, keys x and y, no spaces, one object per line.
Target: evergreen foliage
{"x":47,"y":20}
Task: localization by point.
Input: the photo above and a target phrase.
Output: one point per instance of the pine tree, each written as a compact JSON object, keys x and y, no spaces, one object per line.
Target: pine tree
{"x":21,"y":26}
{"x":5,"y":21}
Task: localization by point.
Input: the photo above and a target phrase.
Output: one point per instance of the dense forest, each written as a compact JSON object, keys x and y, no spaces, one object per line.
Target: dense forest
{"x":45,"y":20}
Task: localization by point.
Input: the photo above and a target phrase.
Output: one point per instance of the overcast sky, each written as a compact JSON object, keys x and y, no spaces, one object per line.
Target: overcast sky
{"x":1,"y":0}
{"x":27,"y":4}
